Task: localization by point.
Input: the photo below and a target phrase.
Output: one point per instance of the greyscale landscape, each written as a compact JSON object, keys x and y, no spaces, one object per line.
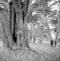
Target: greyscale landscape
{"x":29,"y":30}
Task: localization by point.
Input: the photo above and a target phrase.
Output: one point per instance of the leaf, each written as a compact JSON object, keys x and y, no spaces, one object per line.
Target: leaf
{"x":54,"y":21}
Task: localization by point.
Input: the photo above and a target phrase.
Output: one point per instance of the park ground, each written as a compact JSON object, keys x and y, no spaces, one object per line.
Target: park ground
{"x":36,"y":53}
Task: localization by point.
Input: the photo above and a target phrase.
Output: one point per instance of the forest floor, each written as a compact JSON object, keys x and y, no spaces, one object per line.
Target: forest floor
{"x":25,"y":54}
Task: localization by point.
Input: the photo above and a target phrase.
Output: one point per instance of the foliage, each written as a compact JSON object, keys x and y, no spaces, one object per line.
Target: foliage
{"x":44,"y":13}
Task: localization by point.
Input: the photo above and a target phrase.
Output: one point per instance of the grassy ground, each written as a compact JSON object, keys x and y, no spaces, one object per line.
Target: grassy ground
{"x":20,"y":54}
{"x":24,"y":54}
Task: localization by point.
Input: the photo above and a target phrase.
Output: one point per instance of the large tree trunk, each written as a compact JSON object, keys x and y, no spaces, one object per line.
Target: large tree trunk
{"x":21,"y":30}
{"x":22,"y":34}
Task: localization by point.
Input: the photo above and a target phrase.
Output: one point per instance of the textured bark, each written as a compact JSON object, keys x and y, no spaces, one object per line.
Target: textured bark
{"x":21,"y":24}
{"x":26,"y":33}
{"x":12,"y":11}
{"x":6,"y":28}
{"x":59,"y":22}
{"x":5,"y":21}
{"x":22,"y":39}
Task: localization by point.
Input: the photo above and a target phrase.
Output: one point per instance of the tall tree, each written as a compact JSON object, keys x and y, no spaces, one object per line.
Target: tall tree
{"x":5,"y":21}
{"x":21,"y":32}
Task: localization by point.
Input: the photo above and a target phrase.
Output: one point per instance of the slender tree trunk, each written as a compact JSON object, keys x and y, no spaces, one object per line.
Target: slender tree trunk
{"x":12,"y":18}
{"x":26,"y":33}
{"x":58,"y":27}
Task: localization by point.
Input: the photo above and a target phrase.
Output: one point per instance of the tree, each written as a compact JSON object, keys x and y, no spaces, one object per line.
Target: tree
{"x":22,"y":29}
{"x":5,"y":22}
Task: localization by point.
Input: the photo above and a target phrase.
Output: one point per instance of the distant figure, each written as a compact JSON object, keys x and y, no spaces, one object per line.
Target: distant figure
{"x":51,"y":43}
{"x":55,"y":43}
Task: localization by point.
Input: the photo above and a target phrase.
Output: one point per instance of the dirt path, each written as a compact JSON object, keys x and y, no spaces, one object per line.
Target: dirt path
{"x":53,"y":52}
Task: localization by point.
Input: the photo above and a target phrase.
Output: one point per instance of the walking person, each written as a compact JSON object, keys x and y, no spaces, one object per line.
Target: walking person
{"x":51,"y":43}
